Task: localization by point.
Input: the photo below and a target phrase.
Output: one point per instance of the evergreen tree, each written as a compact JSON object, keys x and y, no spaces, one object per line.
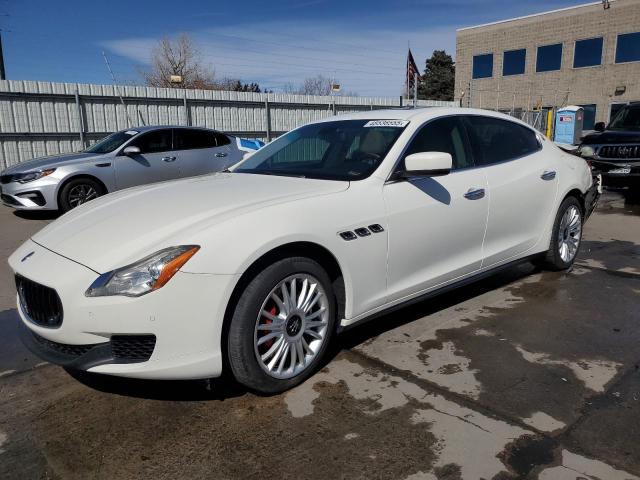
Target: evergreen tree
{"x":437,"y":82}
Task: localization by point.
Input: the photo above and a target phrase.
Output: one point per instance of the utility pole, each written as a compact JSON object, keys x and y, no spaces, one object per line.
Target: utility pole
{"x":113,"y":77}
{"x":2,"y":74}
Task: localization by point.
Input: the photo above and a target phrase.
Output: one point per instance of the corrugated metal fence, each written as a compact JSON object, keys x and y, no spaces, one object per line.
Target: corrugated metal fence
{"x":45,"y":118}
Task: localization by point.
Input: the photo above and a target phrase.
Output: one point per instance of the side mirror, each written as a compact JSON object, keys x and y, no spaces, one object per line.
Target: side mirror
{"x":131,"y":151}
{"x":599,"y":127}
{"x":427,"y":164}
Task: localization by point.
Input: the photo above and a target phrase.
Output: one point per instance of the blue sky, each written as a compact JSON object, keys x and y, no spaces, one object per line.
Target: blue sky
{"x":361,"y":42}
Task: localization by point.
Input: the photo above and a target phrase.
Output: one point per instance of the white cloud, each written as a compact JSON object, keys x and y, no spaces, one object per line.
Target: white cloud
{"x":368,"y":61}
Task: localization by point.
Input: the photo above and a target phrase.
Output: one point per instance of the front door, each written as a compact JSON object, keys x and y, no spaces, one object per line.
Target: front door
{"x":155,"y":162}
{"x":436,"y":224}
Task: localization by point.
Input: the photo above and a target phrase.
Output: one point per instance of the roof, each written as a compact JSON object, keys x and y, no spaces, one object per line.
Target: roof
{"x":417,"y":114}
{"x":574,"y":7}
{"x":146,"y":128}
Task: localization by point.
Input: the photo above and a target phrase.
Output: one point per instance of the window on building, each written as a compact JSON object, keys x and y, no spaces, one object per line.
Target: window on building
{"x":628,"y":48}
{"x":588,"y":53}
{"x":549,"y":58}
{"x":589,"y":120}
{"x":483,"y":66}
{"x":514,"y":62}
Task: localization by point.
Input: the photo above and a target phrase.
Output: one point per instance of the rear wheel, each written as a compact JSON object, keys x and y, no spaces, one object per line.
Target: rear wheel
{"x":566,"y":236}
{"x":281,"y":325}
{"x":79,"y":191}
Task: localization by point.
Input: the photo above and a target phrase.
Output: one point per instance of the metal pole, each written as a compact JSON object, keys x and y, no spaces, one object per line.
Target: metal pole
{"x":401,"y":100}
{"x":2,"y":75}
{"x":415,"y":90}
{"x":469,"y":104}
{"x":113,"y":77}
{"x":334,"y":107}
{"x":187,"y":113}
{"x":267,"y":119}
{"x":80,"y":120}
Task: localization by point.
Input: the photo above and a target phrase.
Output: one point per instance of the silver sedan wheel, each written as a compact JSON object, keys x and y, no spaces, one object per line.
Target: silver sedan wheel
{"x":291,"y":327}
{"x":569,"y":234}
{"x":81,"y":194}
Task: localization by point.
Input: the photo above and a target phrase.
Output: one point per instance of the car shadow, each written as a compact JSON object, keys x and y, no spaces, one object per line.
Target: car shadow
{"x":226,"y":387}
{"x":174,"y":390}
{"x":37,"y":214}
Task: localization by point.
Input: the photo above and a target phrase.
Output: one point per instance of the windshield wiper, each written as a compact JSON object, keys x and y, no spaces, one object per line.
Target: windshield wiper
{"x":271,"y":172}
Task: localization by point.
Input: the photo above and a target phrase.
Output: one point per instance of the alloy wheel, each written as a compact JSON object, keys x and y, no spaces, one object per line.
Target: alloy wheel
{"x":291,"y":326}
{"x":569,"y":234}
{"x":81,"y":194}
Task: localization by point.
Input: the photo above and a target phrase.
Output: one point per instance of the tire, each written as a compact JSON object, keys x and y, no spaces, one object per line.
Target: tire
{"x":78,"y":191}
{"x":561,"y":255}
{"x":287,"y":327}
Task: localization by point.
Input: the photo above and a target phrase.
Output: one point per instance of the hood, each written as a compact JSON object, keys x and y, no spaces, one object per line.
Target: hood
{"x":52,"y":161}
{"x":125,"y":226}
{"x":612,"y":137}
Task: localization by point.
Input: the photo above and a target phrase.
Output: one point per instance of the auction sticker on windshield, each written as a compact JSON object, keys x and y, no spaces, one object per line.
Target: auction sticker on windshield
{"x":387,"y":123}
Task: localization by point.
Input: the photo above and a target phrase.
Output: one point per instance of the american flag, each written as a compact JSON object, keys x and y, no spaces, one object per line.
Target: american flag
{"x":412,"y":71}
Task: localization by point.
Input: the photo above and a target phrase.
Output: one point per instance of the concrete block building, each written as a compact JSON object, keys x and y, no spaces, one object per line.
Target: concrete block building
{"x":587,"y":55}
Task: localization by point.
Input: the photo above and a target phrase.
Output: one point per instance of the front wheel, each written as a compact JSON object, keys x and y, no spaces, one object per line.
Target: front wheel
{"x":79,"y":191}
{"x":566,"y":236}
{"x":282,"y":325}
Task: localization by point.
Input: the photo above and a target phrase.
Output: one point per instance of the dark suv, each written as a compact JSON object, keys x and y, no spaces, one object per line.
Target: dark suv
{"x":614,"y":150}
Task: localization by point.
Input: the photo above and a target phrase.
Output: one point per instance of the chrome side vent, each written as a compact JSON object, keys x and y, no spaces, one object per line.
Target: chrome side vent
{"x":362,"y":232}
{"x":376,"y":228}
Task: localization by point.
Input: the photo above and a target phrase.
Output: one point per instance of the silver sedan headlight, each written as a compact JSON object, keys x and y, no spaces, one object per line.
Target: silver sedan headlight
{"x":144,"y":276}
{"x":31,"y":176}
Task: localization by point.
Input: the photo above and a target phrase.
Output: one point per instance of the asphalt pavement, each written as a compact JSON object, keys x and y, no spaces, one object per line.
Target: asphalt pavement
{"x":526,"y":374}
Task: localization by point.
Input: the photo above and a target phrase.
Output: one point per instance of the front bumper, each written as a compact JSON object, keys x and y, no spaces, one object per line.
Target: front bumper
{"x":37,"y":195}
{"x":618,"y":173}
{"x":184,"y":317}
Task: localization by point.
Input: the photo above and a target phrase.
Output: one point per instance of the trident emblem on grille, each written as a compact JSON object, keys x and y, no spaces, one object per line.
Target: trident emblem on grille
{"x":27,"y":256}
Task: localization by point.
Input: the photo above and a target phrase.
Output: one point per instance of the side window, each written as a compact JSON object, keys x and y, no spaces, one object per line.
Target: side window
{"x":221,"y":139}
{"x":443,"y":135}
{"x":188,"y":139}
{"x":494,"y":140}
{"x":154,"y":141}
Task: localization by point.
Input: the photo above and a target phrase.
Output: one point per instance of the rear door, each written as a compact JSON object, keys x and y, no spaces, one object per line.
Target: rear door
{"x":521,"y":182}
{"x":200,"y":151}
{"x":155,"y":162}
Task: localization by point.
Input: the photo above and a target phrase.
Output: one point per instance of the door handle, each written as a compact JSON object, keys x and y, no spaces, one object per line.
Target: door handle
{"x":221,"y":154}
{"x":474,"y":194}
{"x":168,"y":159}
{"x":548,"y":175}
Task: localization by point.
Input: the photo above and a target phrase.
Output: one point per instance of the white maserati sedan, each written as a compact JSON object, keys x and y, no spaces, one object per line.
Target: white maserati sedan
{"x":253,"y":270}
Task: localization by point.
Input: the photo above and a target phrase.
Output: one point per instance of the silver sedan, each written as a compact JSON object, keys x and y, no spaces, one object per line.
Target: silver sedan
{"x":123,"y":159}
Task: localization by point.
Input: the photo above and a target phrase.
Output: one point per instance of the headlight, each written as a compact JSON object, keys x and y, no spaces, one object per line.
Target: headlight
{"x":144,"y":276}
{"x":586,"y":151}
{"x":31,"y":176}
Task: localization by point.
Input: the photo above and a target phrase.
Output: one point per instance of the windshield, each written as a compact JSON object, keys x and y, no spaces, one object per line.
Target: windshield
{"x":113,"y":141}
{"x":628,"y":118}
{"x":339,"y":150}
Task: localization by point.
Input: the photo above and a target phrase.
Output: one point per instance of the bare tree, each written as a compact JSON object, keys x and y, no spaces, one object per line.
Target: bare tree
{"x":179,"y":58}
{"x":318,"y":85}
